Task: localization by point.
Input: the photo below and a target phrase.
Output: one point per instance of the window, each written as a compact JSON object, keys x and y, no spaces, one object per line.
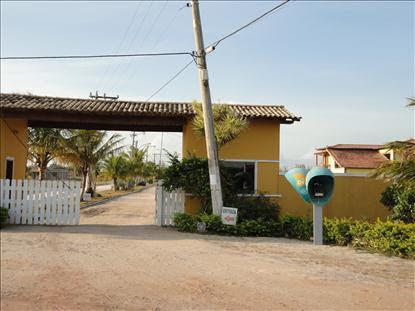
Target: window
{"x":336,"y":165}
{"x":243,"y":176}
{"x":388,"y":156}
{"x":9,"y":168}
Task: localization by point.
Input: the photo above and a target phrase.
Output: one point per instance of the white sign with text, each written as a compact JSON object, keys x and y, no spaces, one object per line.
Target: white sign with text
{"x":229,"y":215}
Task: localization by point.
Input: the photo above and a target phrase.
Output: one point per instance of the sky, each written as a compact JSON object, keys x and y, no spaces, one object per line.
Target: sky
{"x":345,"y":67}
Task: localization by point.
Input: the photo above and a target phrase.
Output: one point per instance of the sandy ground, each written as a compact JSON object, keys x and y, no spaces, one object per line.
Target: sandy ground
{"x":116,"y":259}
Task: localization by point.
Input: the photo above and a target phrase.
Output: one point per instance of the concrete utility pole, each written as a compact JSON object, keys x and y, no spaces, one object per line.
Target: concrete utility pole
{"x":212,"y":153}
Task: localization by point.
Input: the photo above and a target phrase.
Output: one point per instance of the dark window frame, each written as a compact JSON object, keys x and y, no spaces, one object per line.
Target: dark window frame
{"x":248,"y":167}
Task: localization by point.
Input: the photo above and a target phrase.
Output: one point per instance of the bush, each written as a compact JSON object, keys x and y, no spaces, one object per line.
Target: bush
{"x":4,"y":215}
{"x":252,"y":208}
{"x":214,"y":225}
{"x":390,"y":238}
{"x":185,"y":222}
{"x":401,"y":202}
{"x":297,"y":227}
{"x":397,"y":239}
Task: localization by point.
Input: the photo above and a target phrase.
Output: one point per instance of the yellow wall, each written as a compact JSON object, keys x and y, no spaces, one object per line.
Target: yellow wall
{"x":358,"y":170}
{"x":355,"y":197}
{"x":11,"y":147}
{"x":260,"y":141}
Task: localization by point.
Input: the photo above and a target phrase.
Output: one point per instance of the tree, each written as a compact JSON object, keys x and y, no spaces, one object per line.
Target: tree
{"x":85,"y":148}
{"x":228,"y":125}
{"x":400,"y":172}
{"x":399,"y":196}
{"x":135,"y":161}
{"x":115,"y":167}
{"x":44,"y":145}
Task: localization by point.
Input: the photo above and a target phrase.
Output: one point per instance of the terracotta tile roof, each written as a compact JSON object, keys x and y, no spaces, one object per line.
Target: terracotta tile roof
{"x":352,"y":146}
{"x":28,"y":103}
{"x":357,"y":158}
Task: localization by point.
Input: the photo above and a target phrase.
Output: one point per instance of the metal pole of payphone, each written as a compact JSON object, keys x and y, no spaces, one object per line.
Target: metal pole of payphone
{"x":317,"y":224}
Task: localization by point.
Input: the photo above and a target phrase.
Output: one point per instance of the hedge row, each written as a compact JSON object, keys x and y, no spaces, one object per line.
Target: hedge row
{"x":397,"y":239}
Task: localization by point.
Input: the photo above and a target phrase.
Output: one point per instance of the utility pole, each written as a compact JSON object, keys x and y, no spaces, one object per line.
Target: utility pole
{"x":212,"y":153}
{"x":104,"y":97}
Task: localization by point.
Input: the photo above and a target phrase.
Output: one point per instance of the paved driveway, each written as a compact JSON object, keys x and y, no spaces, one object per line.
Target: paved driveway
{"x":116,"y":259}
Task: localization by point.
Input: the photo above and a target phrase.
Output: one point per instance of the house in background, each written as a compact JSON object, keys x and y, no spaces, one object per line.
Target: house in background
{"x":54,"y":172}
{"x":352,"y":158}
{"x":355,"y":158}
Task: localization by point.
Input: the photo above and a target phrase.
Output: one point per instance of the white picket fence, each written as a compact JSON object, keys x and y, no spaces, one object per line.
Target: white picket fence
{"x":167,"y":204}
{"x":43,"y":202}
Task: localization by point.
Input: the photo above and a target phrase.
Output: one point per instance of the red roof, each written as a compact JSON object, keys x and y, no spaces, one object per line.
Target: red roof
{"x":357,"y":158}
{"x":353,"y":146}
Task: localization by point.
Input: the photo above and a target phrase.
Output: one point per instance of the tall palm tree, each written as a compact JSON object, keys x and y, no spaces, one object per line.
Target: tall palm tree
{"x":228,"y":125}
{"x":400,"y":172}
{"x":44,"y":146}
{"x":115,"y":167}
{"x":135,"y":160}
{"x":85,"y":148}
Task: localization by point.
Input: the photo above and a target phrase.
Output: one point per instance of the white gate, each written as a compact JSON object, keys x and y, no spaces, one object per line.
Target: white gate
{"x":43,"y":202}
{"x":167,"y":204}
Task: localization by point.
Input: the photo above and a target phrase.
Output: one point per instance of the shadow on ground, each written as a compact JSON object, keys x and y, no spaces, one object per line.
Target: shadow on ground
{"x":137,"y":232}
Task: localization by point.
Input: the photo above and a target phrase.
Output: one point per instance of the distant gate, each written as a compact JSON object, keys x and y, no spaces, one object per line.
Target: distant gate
{"x":43,"y":202}
{"x":167,"y":204}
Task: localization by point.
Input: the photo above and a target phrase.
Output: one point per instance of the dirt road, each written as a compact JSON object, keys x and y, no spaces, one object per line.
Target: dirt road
{"x":116,"y":259}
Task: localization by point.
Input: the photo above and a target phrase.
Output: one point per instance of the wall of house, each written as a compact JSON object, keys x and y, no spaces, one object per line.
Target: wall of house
{"x":332,"y":166}
{"x":362,"y":171}
{"x":354,"y":196}
{"x":259,"y":142}
{"x":11,"y":147}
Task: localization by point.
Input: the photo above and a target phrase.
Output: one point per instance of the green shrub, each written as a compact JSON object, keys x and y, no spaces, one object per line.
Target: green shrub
{"x":390,"y":238}
{"x":338,"y":231}
{"x":401,"y":202}
{"x":4,"y":215}
{"x":252,"y":208}
{"x":213,"y":222}
{"x":297,"y":227}
{"x":214,"y":225}
{"x":185,"y":222}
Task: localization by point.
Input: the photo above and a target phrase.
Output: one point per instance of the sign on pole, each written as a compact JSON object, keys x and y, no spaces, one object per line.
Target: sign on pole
{"x":229,"y":215}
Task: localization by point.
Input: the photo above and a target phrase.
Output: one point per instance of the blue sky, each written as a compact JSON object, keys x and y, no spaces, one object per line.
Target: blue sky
{"x":346,"y":67}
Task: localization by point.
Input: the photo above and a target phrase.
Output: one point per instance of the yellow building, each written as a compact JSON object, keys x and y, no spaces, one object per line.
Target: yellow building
{"x":255,"y":153}
{"x":13,"y":152}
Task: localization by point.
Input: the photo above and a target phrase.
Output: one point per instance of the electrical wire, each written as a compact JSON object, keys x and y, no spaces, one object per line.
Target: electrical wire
{"x":119,"y":65}
{"x":95,"y":56}
{"x":169,"y":81}
{"x":117,"y":50}
{"x":216,"y":43}
{"x":162,"y":35}
{"x":150,"y":30}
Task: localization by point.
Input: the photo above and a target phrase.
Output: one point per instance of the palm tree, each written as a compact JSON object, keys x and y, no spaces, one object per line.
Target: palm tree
{"x":400,"y":172}
{"x":44,"y":146}
{"x":411,"y":101}
{"x":115,"y":167}
{"x":135,"y":161}
{"x":85,"y":148}
{"x":228,"y":125}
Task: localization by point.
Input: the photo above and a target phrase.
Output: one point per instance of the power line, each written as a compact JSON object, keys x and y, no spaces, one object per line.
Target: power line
{"x":216,"y":43}
{"x":150,"y":30}
{"x":167,"y":28}
{"x":117,"y":50}
{"x":169,"y":81}
{"x":139,"y":28}
{"x":95,"y":56}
